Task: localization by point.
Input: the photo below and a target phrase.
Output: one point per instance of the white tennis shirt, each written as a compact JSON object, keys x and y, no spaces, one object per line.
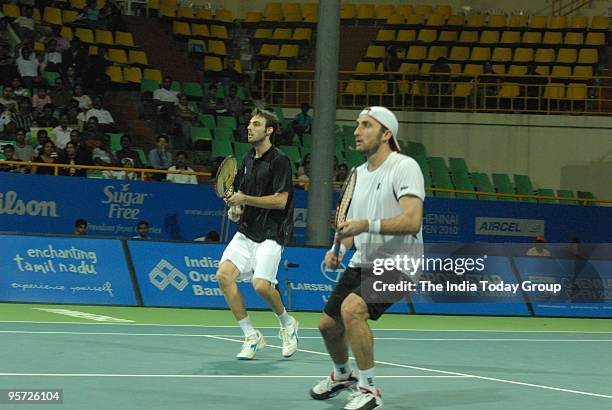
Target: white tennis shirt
{"x":376,"y":196}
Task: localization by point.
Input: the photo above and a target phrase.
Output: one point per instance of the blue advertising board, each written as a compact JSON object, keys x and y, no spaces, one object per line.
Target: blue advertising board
{"x":585,"y":286}
{"x":64,"y":270}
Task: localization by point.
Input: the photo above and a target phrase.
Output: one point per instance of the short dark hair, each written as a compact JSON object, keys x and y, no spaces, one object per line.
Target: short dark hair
{"x":183,"y":153}
{"x":164,"y":136}
{"x":271,"y":118}
{"x":145,"y":223}
{"x":212,"y":236}
{"x":80,"y":222}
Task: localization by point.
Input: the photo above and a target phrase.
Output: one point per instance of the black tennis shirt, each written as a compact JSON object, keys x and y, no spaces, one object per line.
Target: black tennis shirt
{"x":267,"y":175}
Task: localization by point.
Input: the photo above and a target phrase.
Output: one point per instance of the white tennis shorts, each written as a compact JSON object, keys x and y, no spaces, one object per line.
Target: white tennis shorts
{"x":254,"y":260}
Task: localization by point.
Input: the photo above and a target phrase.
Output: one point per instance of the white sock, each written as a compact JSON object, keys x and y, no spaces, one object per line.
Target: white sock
{"x":366,"y":379}
{"x":342,"y":371}
{"x":247,"y":326}
{"x":285,"y":319}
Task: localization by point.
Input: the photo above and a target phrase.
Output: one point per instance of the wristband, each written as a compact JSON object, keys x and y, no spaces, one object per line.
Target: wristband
{"x":374,"y":226}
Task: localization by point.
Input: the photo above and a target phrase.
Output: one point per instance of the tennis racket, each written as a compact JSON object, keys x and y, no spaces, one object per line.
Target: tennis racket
{"x":344,"y":202}
{"x":226,"y":174}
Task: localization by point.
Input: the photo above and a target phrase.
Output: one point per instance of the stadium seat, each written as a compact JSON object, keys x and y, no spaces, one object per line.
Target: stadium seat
{"x":124,"y":39}
{"x":281,"y":34}
{"x":137,"y":57}
{"x":132,"y":75}
{"x":148,"y":85}
{"x":304,"y":34}
{"x":185,"y":12}
{"x":423,"y":9}
{"x":518,"y":21}
{"x":502,"y":55}
{"x":600,"y":23}
{"x":523,"y":55}
{"x":11,"y":10}
{"x":200,"y":30}
{"x":468,"y":37}
{"x":213,"y":64}
{"x":115,"y":74}
{"x":524,"y":187}
{"x":546,"y":192}
{"x":427,"y":35}
{"x":404,"y":10}
{"x":564,"y":193}
{"x":221,"y":148}
{"x":489,"y":37}
{"x":118,"y":56}
{"x":579,"y":22}
{"x":52,"y":15}
{"x":277,"y":66}
{"x":69,"y":16}
{"x":192,"y":89}
{"x":481,"y":54}
{"x":503,"y":185}
{"x":482,"y":183}
{"x":152,"y":74}
{"x":415,"y":20}
{"x":567,"y":56}
{"x":447,"y":36}
{"x":538,"y":22}
{"x":456,"y":20}
{"x":476,"y":21}
{"x":348,"y":11}
{"x":557,"y":23}
{"x":573,"y":39}
{"x":366,"y":12}
{"x":459,"y":54}
{"x":406,"y":35}
{"x":553,"y":38}
{"x":217,"y":47}
{"x":545,"y":56}
{"x":510,"y":38}
{"x":443,"y":10}
{"x":292,"y":51}
{"x":104,"y":37}
{"x":253,"y":17}
{"x":86,"y":35}
{"x":219,"y":32}
{"x":435,"y":20}
{"x":595,"y":39}
{"x":532,"y":37}
{"x":497,"y":21}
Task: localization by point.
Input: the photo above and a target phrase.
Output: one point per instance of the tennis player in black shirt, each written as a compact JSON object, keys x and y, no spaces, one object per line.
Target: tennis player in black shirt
{"x":263,"y":209}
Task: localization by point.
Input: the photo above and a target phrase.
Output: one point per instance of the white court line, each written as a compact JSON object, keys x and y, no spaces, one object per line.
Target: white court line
{"x":304,"y":328}
{"x":210,"y":376}
{"x":413,"y":339}
{"x":447,"y":372}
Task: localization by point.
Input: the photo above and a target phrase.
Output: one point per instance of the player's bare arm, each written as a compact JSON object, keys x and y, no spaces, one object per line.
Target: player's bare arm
{"x":275,"y":201}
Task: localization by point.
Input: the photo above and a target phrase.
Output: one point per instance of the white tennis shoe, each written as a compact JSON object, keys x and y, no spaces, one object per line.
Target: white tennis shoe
{"x":289,"y":338}
{"x":251,"y":345}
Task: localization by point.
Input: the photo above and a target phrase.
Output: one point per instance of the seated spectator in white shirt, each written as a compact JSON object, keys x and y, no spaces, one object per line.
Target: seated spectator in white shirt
{"x":40,"y":99}
{"x":25,"y":26}
{"x":81,"y":97}
{"x":27,"y":66}
{"x":105,"y":119}
{"x":539,"y":249}
{"x":143,"y":230}
{"x":180,"y":164}
{"x":23,"y":151}
{"x":61,"y":134}
{"x":164,"y":96}
{"x":52,"y":59}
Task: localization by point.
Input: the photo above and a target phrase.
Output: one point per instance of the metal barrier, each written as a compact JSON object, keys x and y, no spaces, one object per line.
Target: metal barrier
{"x":536,"y":94}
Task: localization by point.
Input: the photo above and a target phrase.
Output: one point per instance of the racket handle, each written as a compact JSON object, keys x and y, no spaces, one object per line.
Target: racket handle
{"x":336,"y":246}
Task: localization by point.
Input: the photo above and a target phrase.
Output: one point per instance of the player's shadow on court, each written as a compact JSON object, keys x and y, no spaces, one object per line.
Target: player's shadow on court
{"x":239,"y":367}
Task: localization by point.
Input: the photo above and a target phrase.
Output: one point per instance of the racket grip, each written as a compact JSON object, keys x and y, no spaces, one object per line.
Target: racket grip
{"x":337,"y":243}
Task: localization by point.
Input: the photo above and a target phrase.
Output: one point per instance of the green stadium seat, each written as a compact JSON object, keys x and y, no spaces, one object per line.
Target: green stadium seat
{"x":565,"y":193}
{"x":175,"y":86}
{"x":226,"y":122}
{"x":148,"y":85}
{"x":414,"y":148}
{"x":292,"y":152}
{"x":503,"y":186}
{"x":115,"y":140}
{"x":524,"y":187}
{"x":241,"y":148}
{"x":199,"y":133}
{"x":422,"y":161}
{"x":440,"y":176}
{"x":223,"y":133}
{"x":586,"y":195}
{"x":547,"y":192}
{"x":221,"y":148}
{"x":142,"y":156}
{"x":208,"y":120}
{"x":307,"y":140}
{"x":462,"y":181}
{"x":193,"y":90}
{"x":50,"y":77}
{"x":354,"y":159}
{"x":482,"y":183}
{"x":458,"y":166}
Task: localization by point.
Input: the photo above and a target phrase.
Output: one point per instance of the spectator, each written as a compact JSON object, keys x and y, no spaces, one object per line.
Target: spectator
{"x":80,"y":227}
{"x":91,"y":15}
{"x":27,"y":66}
{"x":23,"y":118}
{"x":47,"y":155}
{"x":53,"y":58}
{"x":92,"y":136}
{"x":160,"y":157}
{"x":61,"y":134}
{"x":71,"y":157}
{"x":40,"y":99}
{"x":440,"y":78}
{"x":103,"y":155}
{"x":8,"y":99}
{"x":233,"y":103}
{"x":229,"y":74}
{"x":143,"y":230}
{"x":342,"y":173}
{"x":83,"y":153}
{"x":185,"y":118}
{"x":18,"y":89}
{"x":97,"y":79}
{"x":75,"y":118}
{"x":539,"y":249}
{"x":42,"y":136}
{"x":62,"y":44}
{"x":126,"y":163}
{"x":23,"y":151}
{"x":72,"y":78}
{"x":165,"y":100}
{"x":304,"y":173}
{"x":393,"y":60}
{"x":212,"y":236}
{"x":126,"y":151}
{"x":181,"y":165}
{"x":534,"y":87}
{"x":47,"y":119}
{"x":8,"y":69}
{"x":77,"y":56}
{"x":105,"y":119}
{"x":25,"y":26}
{"x":303,"y":122}
{"x":60,"y":95}
{"x":82,"y":98}
{"x":6,"y":117}
{"x":210,"y":103}
{"x":9,"y":155}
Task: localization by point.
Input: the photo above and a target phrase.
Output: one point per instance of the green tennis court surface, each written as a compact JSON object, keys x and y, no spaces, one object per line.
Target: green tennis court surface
{"x":142,"y":358}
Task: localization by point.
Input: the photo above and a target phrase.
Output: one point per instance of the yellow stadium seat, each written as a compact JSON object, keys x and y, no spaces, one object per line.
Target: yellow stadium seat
{"x":473,"y":69}
{"x":38,"y":46}
{"x":355,"y":87}
{"x":217,"y":47}
{"x":543,"y":70}
{"x":502,"y":54}
{"x":595,"y":39}
{"x":425,"y":67}
{"x":404,"y":10}
{"x":436,"y":20}
{"x":396,"y":19}
{"x":409,"y":68}
{"x":104,"y":37}
{"x":123,"y":38}
{"x":463,"y":89}
{"x":93,"y":50}
{"x":271,"y":50}
{"x":415,"y":20}
{"x":68,"y":16}
{"x":459,"y":53}
{"x":423,"y":9}
{"x":455,"y":68}
{"x":476,"y":20}
{"x":366,"y":12}
{"x":600,"y":23}
{"x":11,"y":10}
{"x":489,"y":37}
{"x":291,"y":9}
{"x":545,"y":55}
{"x":532,"y":37}
{"x":303,"y":34}
{"x":499,"y":68}
{"x":277,"y":65}
{"x":384,"y":11}
{"x":498,"y":21}
{"x":118,"y":56}
{"x":554,"y":91}
{"x":567,"y":56}
{"x":224,"y":15}
{"x":262,"y":33}
{"x":52,"y":15}
{"x":310,"y":10}
{"x":557,"y":23}
{"x":436,"y":52}
{"x":517,"y":70}
{"x":406,"y":35}
{"x":152,"y":74}
{"x":203,"y":14}
{"x":167,"y":11}
{"x":154,"y":4}
{"x":365,"y":67}
{"x":293,"y":18}
{"x":574,"y":39}
{"x":272,"y":18}
{"x":85,"y":34}
{"x":377,"y":52}
{"x":448,"y":36}
{"x":253,"y":17}
{"x":561,"y":71}
{"x":218,"y":32}
{"x":66,"y":32}
{"x":510,"y":90}
{"x":523,"y":55}
{"x":273,"y":9}
{"x":132,"y":75}
{"x":115,"y":73}
{"x":137,"y":57}
{"x":517,"y":21}
{"x":583,"y":71}
{"x":468,"y":37}
{"x":385,"y":35}
{"x":348,"y":11}
{"x":587,"y":56}
{"x":180,"y":28}
{"x":456,"y":20}
{"x":481,"y":54}
{"x":443,"y":10}
{"x":579,"y":22}
{"x":281,"y":34}
{"x":576,"y":91}
{"x":416,"y":53}
{"x":185,"y":12}
{"x":377,"y":87}
{"x":538,"y":22}
{"x":552,"y":38}
{"x":427,"y":36}
{"x":510,"y":37}
{"x":200,"y":30}
{"x":289,"y":51}
{"x":212,"y":63}
{"x":78,"y":4}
